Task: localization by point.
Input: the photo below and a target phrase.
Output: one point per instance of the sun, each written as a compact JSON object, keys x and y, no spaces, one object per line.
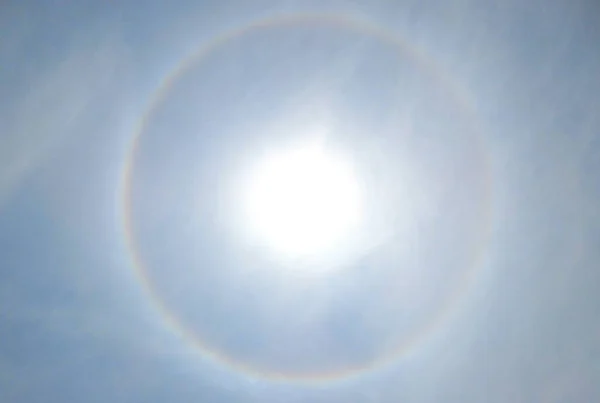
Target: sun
{"x":302,"y":202}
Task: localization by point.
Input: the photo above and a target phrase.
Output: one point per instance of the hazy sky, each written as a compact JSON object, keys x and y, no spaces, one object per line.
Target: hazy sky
{"x":476,"y":123}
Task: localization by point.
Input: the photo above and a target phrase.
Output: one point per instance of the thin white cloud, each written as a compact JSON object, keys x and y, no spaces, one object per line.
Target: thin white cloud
{"x":45,"y":115}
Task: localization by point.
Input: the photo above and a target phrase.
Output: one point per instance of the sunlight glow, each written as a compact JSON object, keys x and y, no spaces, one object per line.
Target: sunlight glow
{"x":302,"y":202}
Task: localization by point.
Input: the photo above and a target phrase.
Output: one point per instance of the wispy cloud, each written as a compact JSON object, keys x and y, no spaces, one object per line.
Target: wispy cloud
{"x":45,"y":116}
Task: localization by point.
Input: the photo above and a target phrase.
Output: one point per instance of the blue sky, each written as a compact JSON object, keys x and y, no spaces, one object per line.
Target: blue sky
{"x":77,"y":324}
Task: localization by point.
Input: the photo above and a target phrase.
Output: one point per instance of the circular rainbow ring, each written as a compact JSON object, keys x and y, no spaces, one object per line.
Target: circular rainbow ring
{"x":289,"y":21}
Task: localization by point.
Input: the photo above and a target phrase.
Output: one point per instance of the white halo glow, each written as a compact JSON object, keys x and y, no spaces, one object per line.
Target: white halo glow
{"x":302,"y":202}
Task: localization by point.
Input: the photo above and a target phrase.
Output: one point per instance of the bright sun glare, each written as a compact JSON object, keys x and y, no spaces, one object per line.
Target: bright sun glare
{"x":302,"y":202}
